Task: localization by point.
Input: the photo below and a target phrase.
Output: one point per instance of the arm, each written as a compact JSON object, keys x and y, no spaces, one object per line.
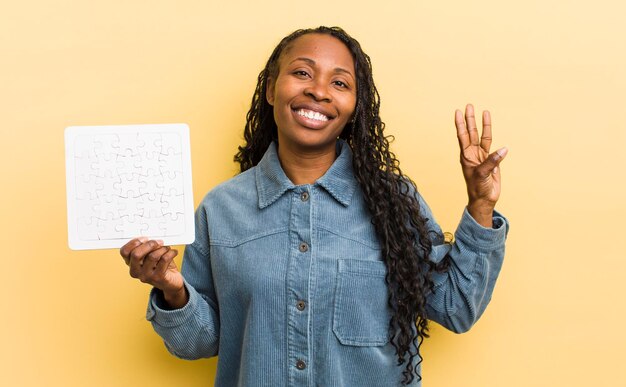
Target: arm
{"x":191,"y":331}
{"x":462,"y":293}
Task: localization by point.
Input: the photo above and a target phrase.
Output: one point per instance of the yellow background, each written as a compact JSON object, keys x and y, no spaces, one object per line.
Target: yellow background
{"x":552,"y":72}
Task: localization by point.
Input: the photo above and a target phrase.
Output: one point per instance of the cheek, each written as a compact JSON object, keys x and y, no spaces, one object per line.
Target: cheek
{"x":349,"y":105}
{"x":282,"y":89}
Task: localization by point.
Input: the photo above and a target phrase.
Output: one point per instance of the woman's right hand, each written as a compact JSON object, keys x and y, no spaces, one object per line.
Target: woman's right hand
{"x":152,"y":263}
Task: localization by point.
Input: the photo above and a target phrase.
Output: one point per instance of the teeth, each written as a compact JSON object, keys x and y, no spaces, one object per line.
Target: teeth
{"x":312,"y":115}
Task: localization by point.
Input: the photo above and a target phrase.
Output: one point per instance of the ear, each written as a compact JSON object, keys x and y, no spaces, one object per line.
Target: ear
{"x":269,"y":91}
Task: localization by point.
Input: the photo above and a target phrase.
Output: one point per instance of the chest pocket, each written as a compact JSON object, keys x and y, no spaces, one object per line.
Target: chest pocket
{"x":361,"y":315}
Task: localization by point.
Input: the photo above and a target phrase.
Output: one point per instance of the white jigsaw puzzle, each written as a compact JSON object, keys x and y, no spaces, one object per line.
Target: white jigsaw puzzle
{"x":126,"y":181}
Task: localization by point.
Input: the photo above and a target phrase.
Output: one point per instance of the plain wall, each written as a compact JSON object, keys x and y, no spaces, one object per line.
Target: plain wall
{"x":551,"y":72}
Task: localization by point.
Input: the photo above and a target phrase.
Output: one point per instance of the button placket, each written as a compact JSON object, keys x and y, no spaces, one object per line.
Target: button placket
{"x":298,"y":278}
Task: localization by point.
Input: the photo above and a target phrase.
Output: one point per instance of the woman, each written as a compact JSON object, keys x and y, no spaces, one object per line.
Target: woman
{"x":320,"y":264}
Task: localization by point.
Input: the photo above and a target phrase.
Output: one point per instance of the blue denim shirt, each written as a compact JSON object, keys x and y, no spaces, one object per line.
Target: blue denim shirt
{"x":287,"y":284}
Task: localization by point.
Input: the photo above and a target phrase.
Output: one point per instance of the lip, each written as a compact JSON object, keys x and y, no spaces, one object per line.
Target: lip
{"x":309,"y":123}
{"x":314,"y":108}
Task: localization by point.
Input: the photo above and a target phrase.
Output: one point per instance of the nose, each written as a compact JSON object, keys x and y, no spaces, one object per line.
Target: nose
{"x":318,"y":90}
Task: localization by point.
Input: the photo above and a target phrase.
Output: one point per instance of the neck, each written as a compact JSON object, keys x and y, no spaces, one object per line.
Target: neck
{"x":305,"y":166}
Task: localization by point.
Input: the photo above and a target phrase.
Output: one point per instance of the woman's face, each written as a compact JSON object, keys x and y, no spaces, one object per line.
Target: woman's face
{"x":314,"y":93}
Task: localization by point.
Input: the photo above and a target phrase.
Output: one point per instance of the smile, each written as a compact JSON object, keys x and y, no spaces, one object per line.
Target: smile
{"x":310,"y":114}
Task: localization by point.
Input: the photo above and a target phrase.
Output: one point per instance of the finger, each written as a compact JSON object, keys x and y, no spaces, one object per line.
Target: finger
{"x":165,"y":262}
{"x":138,"y":254}
{"x":485,"y":139}
{"x":461,"y":130}
{"x":471,"y":124}
{"x":490,"y":165}
{"x":130,"y":246}
{"x":153,"y":258}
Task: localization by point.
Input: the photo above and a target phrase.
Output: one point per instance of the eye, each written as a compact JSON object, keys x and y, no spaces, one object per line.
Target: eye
{"x":340,"y":84}
{"x":301,"y":73}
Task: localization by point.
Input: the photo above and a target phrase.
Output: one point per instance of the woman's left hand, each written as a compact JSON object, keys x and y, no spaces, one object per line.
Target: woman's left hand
{"x":480,"y":169}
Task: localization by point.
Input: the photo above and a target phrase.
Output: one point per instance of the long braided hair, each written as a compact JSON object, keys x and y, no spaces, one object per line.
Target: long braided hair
{"x":389,"y":195}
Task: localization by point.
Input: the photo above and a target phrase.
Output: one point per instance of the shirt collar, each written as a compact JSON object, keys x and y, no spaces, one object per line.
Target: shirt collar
{"x":339,"y":180}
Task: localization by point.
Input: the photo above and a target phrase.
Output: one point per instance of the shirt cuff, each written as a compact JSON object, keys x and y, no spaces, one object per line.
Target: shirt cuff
{"x":470,"y":232}
{"x":157,"y":314}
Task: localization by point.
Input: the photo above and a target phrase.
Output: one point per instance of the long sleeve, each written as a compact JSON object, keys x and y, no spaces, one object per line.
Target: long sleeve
{"x":192,"y":331}
{"x":462,"y":293}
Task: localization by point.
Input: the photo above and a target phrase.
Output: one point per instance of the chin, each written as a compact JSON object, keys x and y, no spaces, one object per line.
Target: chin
{"x":313,"y":140}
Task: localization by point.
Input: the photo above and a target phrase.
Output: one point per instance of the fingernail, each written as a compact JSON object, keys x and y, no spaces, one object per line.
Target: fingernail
{"x":142,"y":239}
{"x":502,"y":152}
{"x":495,"y":170}
{"x":159,"y":241}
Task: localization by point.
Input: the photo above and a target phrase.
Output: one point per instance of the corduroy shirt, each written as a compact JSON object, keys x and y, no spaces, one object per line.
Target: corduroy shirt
{"x":287,"y":284}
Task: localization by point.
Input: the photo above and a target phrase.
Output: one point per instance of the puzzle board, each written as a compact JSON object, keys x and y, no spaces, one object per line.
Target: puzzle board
{"x":126,"y":181}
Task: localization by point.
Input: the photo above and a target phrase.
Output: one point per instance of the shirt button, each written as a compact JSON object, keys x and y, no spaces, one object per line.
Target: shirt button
{"x":300,"y":364}
{"x":301,"y":305}
{"x":303,"y":247}
{"x":304,"y":196}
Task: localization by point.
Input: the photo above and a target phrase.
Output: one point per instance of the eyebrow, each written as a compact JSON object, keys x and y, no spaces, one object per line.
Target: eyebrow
{"x":312,"y":63}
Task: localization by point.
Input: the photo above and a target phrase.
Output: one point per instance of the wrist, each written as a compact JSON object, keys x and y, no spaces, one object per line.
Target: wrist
{"x":176,"y":299}
{"x":482,"y":213}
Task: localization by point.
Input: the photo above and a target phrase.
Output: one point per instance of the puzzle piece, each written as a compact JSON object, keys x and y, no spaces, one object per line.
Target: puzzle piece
{"x":108,"y":186}
{"x":152,"y":143}
{"x":154,"y":186}
{"x":172,"y":164}
{"x":108,"y":209}
{"x":174,"y":225}
{"x":132,"y":142}
{"x":129,"y":185}
{"x":130,"y":208}
{"x":130,"y":228}
{"x":85,"y":147}
{"x":109,"y":228}
{"x":173,"y":184}
{"x":87,"y":187}
{"x":88,"y":229}
{"x":87,"y":207}
{"x":150,"y":164}
{"x":174,"y":204}
{"x":106,"y":145}
{"x":151,"y":209}
{"x":152,"y":229}
{"x":84,"y":165}
{"x":106,"y":164}
{"x":171,"y":143}
{"x":127,"y":162}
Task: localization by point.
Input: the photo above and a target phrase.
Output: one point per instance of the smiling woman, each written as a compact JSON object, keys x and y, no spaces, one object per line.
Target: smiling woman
{"x":320,"y":264}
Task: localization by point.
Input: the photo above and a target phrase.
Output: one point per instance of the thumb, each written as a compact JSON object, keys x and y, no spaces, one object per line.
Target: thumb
{"x":490,"y":165}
